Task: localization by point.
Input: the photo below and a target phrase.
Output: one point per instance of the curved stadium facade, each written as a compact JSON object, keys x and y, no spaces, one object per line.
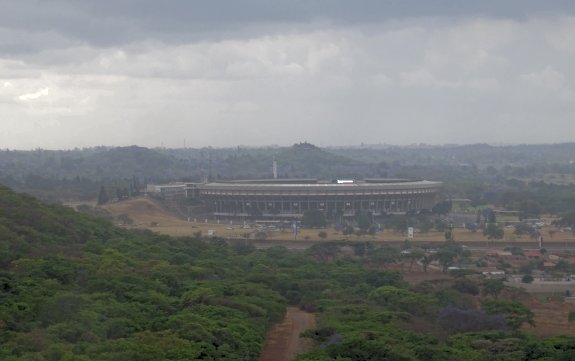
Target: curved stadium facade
{"x":290,"y":198}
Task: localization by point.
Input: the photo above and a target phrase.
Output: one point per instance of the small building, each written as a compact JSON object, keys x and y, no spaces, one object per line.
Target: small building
{"x":533,"y":254}
{"x":491,"y":272}
{"x":171,"y":189}
{"x":498,"y":253}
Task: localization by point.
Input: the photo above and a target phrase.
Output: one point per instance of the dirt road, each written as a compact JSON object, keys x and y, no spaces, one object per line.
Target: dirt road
{"x":283,"y":342}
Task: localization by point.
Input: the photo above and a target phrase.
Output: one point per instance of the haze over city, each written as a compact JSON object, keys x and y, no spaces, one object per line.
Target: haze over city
{"x":223,"y":73}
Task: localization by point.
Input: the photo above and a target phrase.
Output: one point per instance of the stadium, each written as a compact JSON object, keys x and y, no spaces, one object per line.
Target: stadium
{"x":290,"y":198}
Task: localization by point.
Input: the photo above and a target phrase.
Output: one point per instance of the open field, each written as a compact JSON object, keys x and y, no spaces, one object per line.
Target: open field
{"x":149,"y":214}
{"x":551,"y":317}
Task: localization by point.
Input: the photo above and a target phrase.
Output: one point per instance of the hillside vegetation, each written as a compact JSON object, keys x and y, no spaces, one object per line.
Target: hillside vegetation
{"x":77,"y":288}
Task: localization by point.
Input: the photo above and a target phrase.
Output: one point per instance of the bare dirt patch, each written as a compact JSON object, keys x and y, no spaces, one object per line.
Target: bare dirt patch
{"x":551,"y":318}
{"x":283,"y":342}
{"x":143,"y":211}
{"x":417,"y":276}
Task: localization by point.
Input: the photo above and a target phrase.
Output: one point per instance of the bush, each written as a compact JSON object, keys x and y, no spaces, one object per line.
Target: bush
{"x":347,"y":230}
{"x":466,"y":286}
{"x":527,"y":279}
{"x":454,"y":319}
{"x":314,"y":219}
{"x":260,"y":235}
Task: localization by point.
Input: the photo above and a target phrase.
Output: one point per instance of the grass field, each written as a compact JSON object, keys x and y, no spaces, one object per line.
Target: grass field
{"x":149,"y":214}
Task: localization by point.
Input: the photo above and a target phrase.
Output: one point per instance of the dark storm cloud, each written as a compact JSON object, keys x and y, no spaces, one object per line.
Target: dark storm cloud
{"x":113,"y":22}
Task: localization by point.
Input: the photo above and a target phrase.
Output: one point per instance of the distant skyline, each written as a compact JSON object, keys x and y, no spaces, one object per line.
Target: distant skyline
{"x":261,"y":72}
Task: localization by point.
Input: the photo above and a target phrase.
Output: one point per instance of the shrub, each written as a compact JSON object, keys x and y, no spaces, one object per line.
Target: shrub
{"x":454,"y":319}
{"x":466,"y":286}
{"x":527,"y":279}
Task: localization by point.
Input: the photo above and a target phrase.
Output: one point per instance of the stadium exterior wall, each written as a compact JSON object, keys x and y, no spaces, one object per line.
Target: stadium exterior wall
{"x":291,"y":198}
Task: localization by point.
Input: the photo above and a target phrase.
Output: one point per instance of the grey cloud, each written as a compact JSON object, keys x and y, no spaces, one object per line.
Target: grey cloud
{"x":112,"y":22}
{"x":218,"y":73}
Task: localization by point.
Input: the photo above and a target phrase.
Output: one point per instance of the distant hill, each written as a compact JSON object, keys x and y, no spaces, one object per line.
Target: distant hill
{"x":78,"y":174}
{"x":299,"y":160}
{"x":307,"y":160}
{"x":127,"y":162}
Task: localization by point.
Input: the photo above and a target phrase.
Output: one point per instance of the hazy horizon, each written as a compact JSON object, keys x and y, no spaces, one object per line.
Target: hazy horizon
{"x":279,"y":146}
{"x":333,"y":73}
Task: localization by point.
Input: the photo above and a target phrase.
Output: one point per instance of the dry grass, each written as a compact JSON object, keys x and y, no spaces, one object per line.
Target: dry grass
{"x":551,"y":318}
{"x":149,"y":214}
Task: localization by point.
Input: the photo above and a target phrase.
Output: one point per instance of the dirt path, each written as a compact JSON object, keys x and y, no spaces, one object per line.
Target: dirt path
{"x":283,"y":342}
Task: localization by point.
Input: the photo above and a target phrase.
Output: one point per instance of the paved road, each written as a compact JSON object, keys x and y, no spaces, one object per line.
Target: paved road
{"x":479,"y":244}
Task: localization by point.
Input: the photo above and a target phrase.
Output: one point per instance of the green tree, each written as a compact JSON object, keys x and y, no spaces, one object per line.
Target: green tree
{"x":400,"y":299}
{"x":324,"y":252}
{"x":449,"y":233}
{"x":102,"y":196}
{"x":398,"y":223}
{"x":412,"y":256}
{"x":314,"y":218}
{"x":347,"y":230}
{"x":523,"y":229}
{"x":492,"y":231}
{"x":527,"y":278}
{"x":440,"y":225}
{"x":261,"y":235}
{"x":515,"y":313}
{"x":563,"y":266}
{"x":385,"y":255}
{"x":425,"y":262}
{"x":363,"y":219}
{"x":529,"y":209}
{"x":445,"y":257}
{"x":493,"y":287}
{"x":362,"y":249}
{"x":516,"y":250}
{"x":442,"y":208}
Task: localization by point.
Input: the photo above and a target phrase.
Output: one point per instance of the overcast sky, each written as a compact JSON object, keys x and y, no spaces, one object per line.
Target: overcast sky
{"x":80,"y":73}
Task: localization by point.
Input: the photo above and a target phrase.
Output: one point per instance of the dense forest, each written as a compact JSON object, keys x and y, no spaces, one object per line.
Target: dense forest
{"x":74,"y":287}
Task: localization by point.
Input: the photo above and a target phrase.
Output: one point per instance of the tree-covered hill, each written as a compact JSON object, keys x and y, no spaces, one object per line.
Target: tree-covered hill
{"x":481,"y":172}
{"x":77,"y":288}
{"x":94,"y":163}
{"x":127,"y":162}
{"x":79,"y":174}
{"x":30,"y":227}
{"x":305,"y":160}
